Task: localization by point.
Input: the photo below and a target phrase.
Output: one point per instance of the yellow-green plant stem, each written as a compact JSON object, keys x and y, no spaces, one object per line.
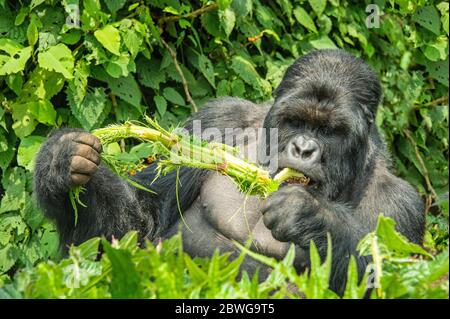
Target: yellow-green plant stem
{"x":175,"y":151}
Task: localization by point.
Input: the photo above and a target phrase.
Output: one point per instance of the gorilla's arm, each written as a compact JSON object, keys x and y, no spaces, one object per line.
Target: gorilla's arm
{"x":112,"y":206}
{"x":294,"y":214}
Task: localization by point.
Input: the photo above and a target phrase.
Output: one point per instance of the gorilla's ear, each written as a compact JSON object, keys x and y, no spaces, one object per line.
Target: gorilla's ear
{"x":369,"y":95}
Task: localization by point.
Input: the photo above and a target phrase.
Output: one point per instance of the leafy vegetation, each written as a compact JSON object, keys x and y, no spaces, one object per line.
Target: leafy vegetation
{"x":89,"y":63}
{"x":165,"y":271}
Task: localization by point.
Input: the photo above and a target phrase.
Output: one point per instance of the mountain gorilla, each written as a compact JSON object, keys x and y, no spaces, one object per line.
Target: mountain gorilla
{"x":324,"y":110}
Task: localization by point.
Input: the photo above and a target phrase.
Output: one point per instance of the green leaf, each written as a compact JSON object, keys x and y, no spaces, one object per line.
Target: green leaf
{"x":15,"y":58}
{"x":125,"y":281}
{"x":224,"y":4}
{"x":32,"y":30}
{"x":58,"y":58}
{"x":28,"y":115}
{"x":78,"y":85}
{"x":115,"y":5}
{"x":91,"y":111}
{"x":323,"y":42}
{"x":15,"y":83}
{"x":173,"y":96}
{"x":227,"y":20}
{"x":439,"y":70}
{"x":127,"y":89}
{"x":149,"y":74}
{"x":133,"y":41}
{"x":13,"y":182}
{"x":248,"y":73}
{"x":118,"y":66}
{"x":428,"y":17}
{"x":88,"y":249}
{"x":28,"y":148}
{"x":318,"y":6}
{"x":109,"y":37}
{"x":35,"y":3}
{"x":205,"y":66}
{"x":304,"y":19}
{"x":390,"y":242}
{"x":8,"y":256}
{"x":161,"y":104}
{"x":7,"y":148}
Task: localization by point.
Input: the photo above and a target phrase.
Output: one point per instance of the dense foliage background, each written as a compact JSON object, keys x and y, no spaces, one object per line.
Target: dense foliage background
{"x":89,"y":63}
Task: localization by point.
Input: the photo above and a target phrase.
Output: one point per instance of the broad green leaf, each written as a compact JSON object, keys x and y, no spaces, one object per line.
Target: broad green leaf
{"x":248,"y":73}
{"x":27,"y":115}
{"x":149,"y":74}
{"x":78,"y":85}
{"x":428,"y":17}
{"x":242,"y":8}
{"x":161,"y":104}
{"x":227,"y":20}
{"x":8,"y":256}
{"x":7,"y":148}
{"x":115,"y":5}
{"x":323,"y":42}
{"x":91,"y":111}
{"x":28,"y":148}
{"x":35,"y":3}
{"x":15,"y":83}
{"x":13,"y":56}
{"x":118,"y":66}
{"x":125,"y":281}
{"x":32,"y":30}
{"x":109,"y":37}
{"x":58,"y":58}
{"x":173,"y":96}
{"x":133,"y":41}
{"x":129,"y":240}
{"x":88,"y":249}
{"x":389,"y":241}
{"x":304,"y":19}
{"x":13,"y":183}
{"x":207,"y":69}
{"x":224,"y":4}
{"x":127,"y":89}
{"x":318,"y":6}
{"x":92,"y":17}
{"x":439,"y":70}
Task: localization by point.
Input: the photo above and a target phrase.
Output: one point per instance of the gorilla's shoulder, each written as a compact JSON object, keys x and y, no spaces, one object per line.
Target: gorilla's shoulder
{"x":231,"y":112}
{"x":235,"y":104}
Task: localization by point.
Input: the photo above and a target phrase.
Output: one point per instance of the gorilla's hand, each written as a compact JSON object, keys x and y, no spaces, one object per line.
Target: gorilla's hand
{"x":294,"y":215}
{"x":79,"y":150}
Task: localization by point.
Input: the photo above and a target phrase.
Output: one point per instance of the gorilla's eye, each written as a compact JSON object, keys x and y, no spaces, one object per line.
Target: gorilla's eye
{"x":293,"y":122}
{"x":333,"y":131}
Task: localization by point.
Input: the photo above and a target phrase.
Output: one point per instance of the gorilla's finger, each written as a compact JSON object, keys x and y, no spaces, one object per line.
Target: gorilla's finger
{"x":88,"y":152}
{"x":82,"y":165}
{"x":279,"y":235}
{"x":270,"y":220}
{"x":271,"y":203}
{"x":89,"y":139}
{"x":79,"y":179}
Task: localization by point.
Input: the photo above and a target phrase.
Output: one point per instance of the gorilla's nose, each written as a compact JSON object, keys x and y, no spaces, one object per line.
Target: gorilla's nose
{"x":305,"y":150}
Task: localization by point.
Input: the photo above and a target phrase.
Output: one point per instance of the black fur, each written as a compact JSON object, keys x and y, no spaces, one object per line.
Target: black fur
{"x":329,"y":96}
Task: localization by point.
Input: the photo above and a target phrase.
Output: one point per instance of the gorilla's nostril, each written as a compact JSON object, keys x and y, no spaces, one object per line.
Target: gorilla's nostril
{"x":307,"y":154}
{"x":296,"y":151}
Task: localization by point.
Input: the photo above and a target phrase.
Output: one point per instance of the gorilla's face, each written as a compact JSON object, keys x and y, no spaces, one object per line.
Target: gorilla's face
{"x":324,"y":115}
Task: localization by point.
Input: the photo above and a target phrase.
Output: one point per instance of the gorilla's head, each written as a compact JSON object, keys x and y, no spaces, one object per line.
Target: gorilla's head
{"x":324,"y":110}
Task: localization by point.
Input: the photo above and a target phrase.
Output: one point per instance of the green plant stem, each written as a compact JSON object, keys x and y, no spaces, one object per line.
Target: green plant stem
{"x":175,"y":151}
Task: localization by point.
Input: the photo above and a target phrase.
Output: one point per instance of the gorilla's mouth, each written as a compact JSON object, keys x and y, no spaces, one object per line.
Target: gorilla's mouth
{"x":304,"y":180}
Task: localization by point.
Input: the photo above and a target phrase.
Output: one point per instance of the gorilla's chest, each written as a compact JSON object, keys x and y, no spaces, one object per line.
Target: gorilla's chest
{"x":222,"y":214}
